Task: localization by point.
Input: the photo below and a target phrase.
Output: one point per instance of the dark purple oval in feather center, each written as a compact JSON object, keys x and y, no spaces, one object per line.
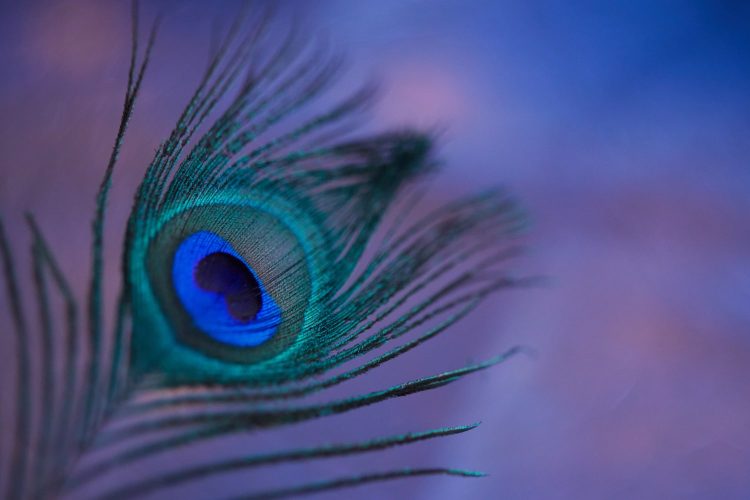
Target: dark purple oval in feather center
{"x":227,"y":275}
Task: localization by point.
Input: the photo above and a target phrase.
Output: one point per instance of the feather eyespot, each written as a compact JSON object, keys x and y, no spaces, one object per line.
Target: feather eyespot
{"x":233,"y":285}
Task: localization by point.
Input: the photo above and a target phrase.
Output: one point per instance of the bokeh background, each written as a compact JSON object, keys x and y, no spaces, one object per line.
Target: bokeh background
{"x":623,"y":127}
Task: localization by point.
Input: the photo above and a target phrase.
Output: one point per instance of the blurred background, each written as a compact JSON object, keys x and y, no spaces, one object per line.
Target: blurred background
{"x":623,"y":128}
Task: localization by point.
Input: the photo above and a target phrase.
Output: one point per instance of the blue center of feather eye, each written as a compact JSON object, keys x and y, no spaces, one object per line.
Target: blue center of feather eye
{"x":221,"y":293}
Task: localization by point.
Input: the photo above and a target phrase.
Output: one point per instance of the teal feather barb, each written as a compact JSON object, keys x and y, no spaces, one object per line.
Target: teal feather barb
{"x":271,"y":254}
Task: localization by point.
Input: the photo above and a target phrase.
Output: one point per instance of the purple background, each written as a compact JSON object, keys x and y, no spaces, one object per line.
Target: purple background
{"x":622,"y":126}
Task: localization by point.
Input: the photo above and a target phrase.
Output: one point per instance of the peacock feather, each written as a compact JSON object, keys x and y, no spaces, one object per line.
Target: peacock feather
{"x":269,"y":256}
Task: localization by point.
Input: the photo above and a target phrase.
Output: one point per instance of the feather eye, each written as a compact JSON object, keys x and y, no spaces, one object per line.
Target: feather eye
{"x":236,"y":287}
{"x":267,"y":257}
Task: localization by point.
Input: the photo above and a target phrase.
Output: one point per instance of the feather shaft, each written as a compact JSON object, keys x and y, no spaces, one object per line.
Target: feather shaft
{"x":91,"y":415}
{"x":351,"y":481}
{"x":22,"y":435}
{"x":46,"y":422}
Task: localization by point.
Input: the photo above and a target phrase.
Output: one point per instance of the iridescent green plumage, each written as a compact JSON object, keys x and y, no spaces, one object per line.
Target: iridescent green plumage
{"x":309,"y":205}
